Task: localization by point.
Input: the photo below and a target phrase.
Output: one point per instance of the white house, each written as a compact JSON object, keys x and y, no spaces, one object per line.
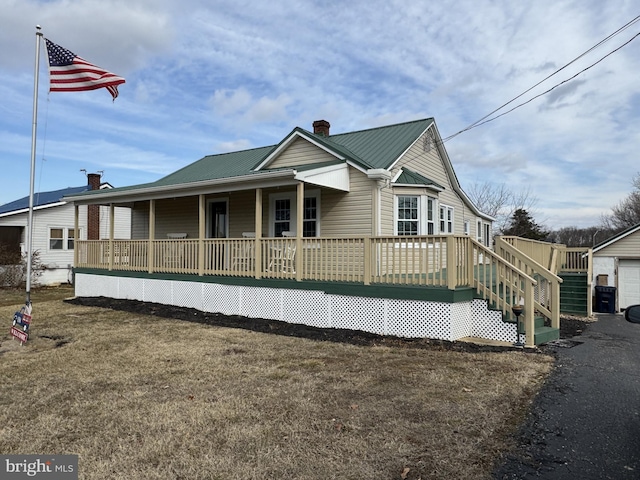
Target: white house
{"x":53,"y":227}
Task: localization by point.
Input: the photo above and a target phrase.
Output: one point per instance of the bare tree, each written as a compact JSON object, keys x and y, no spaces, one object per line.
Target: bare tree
{"x":500,"y":202}
{"x":626,"y":213}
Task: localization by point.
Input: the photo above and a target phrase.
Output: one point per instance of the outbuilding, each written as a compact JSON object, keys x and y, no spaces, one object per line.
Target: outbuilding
{"x":616,"y":263}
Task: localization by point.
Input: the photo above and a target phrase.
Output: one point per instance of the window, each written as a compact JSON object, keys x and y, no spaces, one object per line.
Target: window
{"x":70,"y":238}
{"x":56,"y":238}
{"x":414,"y":215}
{"x":310,"y":224}
{"x":431,"y":220}
{"x":282,"y":218}
{"x":61,"y":238}
{"x":467,"y":227}
{"x":479,"y":231}
{"x":487,"y":234}
{"x":283,"y":214}
{"x":446,"y":219}
{"x":408,"y":215}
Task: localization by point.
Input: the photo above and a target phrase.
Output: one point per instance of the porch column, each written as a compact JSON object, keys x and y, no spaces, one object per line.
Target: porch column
{"x":111,"y":228}
{"x":452,"y":265}
{"x":201,"y":233}
{"x":76,"y":230}
{"x":152,"y":234}
{"x":258,"y":240}
{"x":299,"y":229}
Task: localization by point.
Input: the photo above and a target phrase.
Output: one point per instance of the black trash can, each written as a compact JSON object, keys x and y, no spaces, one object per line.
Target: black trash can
{"x":605,"y":299}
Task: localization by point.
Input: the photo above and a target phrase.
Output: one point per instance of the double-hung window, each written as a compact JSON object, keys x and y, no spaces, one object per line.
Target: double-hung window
{"x":61,"y":238}
{"x":284,"y":213}
{"x":408,"y":215}
{"x":414,"y":215}
{"x":446,"y":219}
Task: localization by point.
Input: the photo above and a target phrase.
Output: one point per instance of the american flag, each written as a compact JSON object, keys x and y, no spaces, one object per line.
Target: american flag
{"x":70,"y":73}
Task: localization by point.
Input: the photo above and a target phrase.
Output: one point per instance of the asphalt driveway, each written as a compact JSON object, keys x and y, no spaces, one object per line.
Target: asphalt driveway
{"x":585,"y":423}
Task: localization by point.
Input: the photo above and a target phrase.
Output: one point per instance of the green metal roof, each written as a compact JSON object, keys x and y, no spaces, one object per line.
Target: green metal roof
{"x":223,"y":165}
{"x":373,"y":148}
{"x":408,"y":177}
{"x":380,"y":147}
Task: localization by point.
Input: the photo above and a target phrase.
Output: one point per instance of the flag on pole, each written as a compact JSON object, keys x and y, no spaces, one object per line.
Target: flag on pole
{"x":70,"y":73}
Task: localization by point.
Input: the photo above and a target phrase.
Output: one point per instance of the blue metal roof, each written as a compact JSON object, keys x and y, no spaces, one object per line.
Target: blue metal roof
{"x":40,"y":199}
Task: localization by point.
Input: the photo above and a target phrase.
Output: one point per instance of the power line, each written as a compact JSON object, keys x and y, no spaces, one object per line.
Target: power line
{"x":484,"y":120}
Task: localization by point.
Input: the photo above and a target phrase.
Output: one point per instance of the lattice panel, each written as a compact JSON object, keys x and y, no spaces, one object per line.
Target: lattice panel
{"x":405,"y":318}
{"x":461,"y":320}
{"x":261,"y":303}
{"x":84,"y":285}
{"x":223,"y":299}
{"x":187,"y":294}
{"x":358,"y":313}
{"x":158,"y":291}
{"x":131,"y":288}
{"x":488,"y":323}
{"x":308,"y":307}
{"x":418,"y":319}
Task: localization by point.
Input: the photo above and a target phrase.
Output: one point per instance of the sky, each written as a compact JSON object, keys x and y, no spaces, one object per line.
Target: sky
{"x":212,"y":76}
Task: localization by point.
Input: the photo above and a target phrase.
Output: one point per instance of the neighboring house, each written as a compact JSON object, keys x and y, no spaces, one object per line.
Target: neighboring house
{"x":367,"y":230}
{"x":54,"y":227}
{"x":616,"y":263}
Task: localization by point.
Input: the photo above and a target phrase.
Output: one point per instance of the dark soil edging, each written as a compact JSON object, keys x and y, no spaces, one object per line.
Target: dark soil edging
{"x":354,"y":337}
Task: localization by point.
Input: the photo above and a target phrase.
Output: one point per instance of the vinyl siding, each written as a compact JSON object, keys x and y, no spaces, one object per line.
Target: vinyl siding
{"x":242,"y":207}
{"x":627,"y":247}
{"x":300,"y":152}
{"x":177,"y":215}
{"x":430,"y":165}
{"x":348,"y":213}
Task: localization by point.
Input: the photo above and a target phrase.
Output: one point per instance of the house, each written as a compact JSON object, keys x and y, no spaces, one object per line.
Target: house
{"x":54,"y":231}
{"x":616,"y":263}
{"x":365,"y":230}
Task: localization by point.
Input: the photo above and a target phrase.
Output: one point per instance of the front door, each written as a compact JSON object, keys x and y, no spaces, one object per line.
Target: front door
{"x":218,"y":219}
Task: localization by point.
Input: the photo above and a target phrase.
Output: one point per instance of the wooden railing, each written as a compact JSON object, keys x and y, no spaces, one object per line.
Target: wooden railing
{"x":430,"y":261}
{"x":547,"y":289}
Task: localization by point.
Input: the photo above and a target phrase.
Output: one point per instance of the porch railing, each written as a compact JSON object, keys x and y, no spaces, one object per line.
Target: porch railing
{"x":442,"y":261}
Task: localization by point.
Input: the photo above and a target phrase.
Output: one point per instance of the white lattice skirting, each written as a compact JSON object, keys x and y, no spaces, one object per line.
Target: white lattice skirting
{"x":402,"y":318}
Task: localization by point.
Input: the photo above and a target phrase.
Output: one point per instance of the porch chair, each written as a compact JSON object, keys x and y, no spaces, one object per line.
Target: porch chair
{"x":283,"y":259}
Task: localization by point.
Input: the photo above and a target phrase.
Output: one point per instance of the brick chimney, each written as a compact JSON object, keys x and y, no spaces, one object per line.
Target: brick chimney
{"x":93,"y":211}
{"x":321,"y":127}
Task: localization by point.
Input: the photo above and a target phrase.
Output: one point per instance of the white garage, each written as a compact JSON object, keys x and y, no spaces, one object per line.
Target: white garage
{"x":618,"y":260}
{"x":629,"y":282}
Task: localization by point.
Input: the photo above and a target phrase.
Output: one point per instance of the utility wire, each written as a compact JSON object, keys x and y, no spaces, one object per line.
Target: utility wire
{"x":484,"y":120}
{"x":547,"y":91}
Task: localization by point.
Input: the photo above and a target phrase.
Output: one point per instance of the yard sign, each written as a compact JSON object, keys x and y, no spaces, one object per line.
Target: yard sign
{"x":21,"y":323}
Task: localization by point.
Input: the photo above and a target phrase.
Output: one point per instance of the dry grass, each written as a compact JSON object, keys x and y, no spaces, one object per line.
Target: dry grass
{"x":137,"y":397}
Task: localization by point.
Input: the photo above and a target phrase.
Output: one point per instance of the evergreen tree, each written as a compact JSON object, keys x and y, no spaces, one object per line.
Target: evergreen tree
{"x":523,"y":225}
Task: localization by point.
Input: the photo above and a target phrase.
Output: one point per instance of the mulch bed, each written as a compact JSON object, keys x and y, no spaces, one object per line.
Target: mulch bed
{"x":569,"y":326}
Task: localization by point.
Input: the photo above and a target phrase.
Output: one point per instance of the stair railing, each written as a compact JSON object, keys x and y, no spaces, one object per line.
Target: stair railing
{"x":547,"y":291}
{"x":503,"y":285}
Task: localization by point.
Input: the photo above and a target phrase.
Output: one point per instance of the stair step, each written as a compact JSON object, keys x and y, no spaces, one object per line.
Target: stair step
{"x":546,"y":334}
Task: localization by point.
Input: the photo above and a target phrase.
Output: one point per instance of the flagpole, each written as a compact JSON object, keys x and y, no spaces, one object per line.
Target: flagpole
{"x":33,"y":163}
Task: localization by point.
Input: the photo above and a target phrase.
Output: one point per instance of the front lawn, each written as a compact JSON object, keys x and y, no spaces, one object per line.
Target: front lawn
{"x":141,"y":397}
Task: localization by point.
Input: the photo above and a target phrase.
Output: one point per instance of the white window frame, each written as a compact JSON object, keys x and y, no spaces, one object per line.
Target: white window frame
{"x":426,"y":213}
{"x":65,"y":238}
{"x":479,"y":231}
{"x":447,"y":221}
{"x":467,"y":227}
{"x":293,"y":216}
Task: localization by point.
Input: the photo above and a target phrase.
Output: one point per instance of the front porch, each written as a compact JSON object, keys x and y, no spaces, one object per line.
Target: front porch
{"x":446,"y":287}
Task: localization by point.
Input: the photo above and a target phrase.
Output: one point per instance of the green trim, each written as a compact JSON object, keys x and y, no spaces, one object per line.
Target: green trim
{"x":352,"y":289}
